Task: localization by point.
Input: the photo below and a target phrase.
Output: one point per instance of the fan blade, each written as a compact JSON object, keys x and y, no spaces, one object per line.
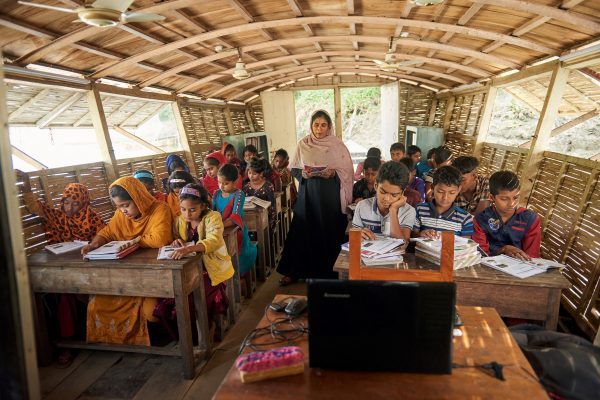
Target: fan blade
{"x":62,"y":9}
{"x":117,"y":5}
{"x":141,"y":17}
{"x":379,"y":62}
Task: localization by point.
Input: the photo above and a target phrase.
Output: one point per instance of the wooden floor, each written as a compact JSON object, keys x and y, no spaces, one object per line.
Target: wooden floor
{"x":109,"y":375}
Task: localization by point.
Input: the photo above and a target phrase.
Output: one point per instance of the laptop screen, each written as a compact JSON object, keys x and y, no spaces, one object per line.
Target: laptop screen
{"x":381,"y":325}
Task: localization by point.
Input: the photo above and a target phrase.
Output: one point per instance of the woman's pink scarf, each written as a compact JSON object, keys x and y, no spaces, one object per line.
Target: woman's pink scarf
{"x":330,"y":151}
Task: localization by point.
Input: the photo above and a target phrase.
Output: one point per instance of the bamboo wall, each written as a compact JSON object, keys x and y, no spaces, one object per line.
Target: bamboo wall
{"x":466,"y":114}
{"x":414,"y":106}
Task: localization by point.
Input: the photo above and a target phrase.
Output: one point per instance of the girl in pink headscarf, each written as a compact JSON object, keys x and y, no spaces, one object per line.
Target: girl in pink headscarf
{"x":319,"y":222}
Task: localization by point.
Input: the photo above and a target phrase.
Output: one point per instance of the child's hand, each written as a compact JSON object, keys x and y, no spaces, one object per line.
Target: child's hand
{"x":327,"y":173}
{"x":515,"y":252}
{"x":178,"y":243}
{"x":430,"y":234}
{"x":87,"y":248}
{"x":180,"y":253}
{"x":367,"y":234}
{"x":398,"y":203}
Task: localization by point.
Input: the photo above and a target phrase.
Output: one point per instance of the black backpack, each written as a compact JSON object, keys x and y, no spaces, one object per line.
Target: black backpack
{"x":567,"y":365}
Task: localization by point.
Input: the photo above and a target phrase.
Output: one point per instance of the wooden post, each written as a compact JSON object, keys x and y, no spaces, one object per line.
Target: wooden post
{"x":544,"y":128}
{"x":486,"y":119}
{"x":432,"y":111}
{"x":354,"y":256}
{"x":337,"y":102}
{"x":447,"y":256}
{"x":183,"y":139}
{"x":15,"y":265}
{"x":102,"y":134}
{"x":249,"y":117}
{"x":448,"y":115}
{"x":228,"y":121}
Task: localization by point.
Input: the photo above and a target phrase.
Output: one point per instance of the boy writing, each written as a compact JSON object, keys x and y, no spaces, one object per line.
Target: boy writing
{"x":365,"y":188}
{"x":397,"y":151}
{"x":387,"y":213}
{"x":440,"y":214}
{"x":504,"y":227}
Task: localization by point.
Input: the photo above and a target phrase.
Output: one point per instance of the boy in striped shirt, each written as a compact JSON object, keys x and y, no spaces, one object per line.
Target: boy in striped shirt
{"x":440,"y":214}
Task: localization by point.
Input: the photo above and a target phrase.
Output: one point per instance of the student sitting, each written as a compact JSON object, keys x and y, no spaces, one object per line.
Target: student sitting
{"x":211,"y":165}
{"x":440,"y":214}
{"x":147,"y":179}
{"x":414,"y":152}
{"x":415,"y":192}
{"x":397,"y":151}
{"x":260,"y":187}
{"x":441,"y":157}
{"x":274,"y":177}
{"x":424,"y":166}
{"x":280,"y":165}
{"x":372,"y":152}
{"x":228,"y":151}
{"x":250,"y":151}
{"x":229,"y":201}
{"x":365,"y":188}
{"x":199,"y":224}
{"x":123,"y":319}
{"x":475,"y":189}
{"x":387,"y":213}
{"x":74,"y":219}
{"x":173,"y":163}
{"x":504,"y":227}
{"x":177,"y":180}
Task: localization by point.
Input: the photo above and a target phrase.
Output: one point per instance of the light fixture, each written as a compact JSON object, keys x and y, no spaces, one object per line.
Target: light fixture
{"x":424,"y":3}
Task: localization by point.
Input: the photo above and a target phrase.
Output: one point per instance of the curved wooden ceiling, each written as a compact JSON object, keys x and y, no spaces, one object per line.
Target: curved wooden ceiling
{"x":455,"y":42}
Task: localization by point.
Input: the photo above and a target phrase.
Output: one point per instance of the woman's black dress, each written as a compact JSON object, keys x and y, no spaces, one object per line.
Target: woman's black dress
{"x":317,"y":230}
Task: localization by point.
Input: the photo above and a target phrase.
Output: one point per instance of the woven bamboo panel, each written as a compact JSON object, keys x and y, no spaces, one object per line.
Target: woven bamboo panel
{"x":496,"y":158}
{"x":440,"y":111}
{"x":466,"y":114}
{"x":239,"y":121}
{"x":567,"y":196}
{"x":256,"y":113}
{"x":203,"y":125}
{"x":461,"y":145}
{"x":49,"y":185}
{"x":414,"y":107}
{"x":155,"y":163}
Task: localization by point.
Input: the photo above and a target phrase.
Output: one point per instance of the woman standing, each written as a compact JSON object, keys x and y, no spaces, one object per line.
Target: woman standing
{"x":319,"y":223}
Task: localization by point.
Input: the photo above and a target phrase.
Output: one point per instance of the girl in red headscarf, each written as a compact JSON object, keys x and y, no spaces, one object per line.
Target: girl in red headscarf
{"x":211,"y":164}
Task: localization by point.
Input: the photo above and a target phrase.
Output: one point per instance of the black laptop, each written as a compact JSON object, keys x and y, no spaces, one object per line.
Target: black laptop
{"x":381,"y":325}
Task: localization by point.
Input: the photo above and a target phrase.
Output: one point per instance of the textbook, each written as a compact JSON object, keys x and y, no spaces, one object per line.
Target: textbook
{"x":255,"y":201}
{"x":465,"y":251}
{"x":65,"y":247}
{"x":383,"y":259}
{"x":520,"y":268}
{"x":114,"y":250}
{"x":463,"y":261}
{"x":164,"y":253}
{"x":379,"y":246}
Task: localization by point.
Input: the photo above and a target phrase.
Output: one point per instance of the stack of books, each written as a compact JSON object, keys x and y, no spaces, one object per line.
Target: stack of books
{"x":253,"y":201}
{"x":114,"y":250}
{"x":465,"y":251}
{"x":520,"y":268}
{"x":381,"y":251}
{"x":65,"y":247}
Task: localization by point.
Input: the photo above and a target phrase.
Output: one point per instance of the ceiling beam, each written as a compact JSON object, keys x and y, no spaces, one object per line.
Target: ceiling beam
{"x":138,"y":140}
{"x":27,"y":158}
{"x":23,"y":107}
{"x":408,"y":6}
{"x":52,"y":115}
{"x":326,"y":70}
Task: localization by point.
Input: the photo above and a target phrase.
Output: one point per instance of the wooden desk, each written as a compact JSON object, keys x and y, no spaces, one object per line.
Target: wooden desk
{"x":233,"y":288}
{"x":485,"y":339}
{"x":139,"y":274}
{"x":257,"y":219}
{"x":536,"y":297}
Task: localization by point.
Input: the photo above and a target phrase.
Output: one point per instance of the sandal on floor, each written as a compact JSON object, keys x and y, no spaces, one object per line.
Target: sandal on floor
{"x":287,"y":280}
{"x":65,"y":359}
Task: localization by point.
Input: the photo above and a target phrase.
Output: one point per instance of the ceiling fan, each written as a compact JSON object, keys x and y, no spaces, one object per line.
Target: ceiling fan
{"x":425,"y":2}
{"x":102,"y":13}
{"x":388,"y":64}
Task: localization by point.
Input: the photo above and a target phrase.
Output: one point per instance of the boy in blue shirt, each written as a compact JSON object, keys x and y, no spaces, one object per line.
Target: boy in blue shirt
{"x":440,"y":214}
{"x":388,"y":212}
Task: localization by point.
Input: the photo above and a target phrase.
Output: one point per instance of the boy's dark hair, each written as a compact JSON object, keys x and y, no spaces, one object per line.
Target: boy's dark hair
{"x":408,"y":162}
{"x":120,"y":192}
{"x":212,"y":161}
{"x":441,"y":154}
{"x":374,"y":152}
{"x":282,"y":153}
{"x":430,"y":153}
{"x":393,"y":172}
{"x":185,"y":176}
{"x":145,"y":180}
{"x":229,"y":147}
{"x":229,"y":172}
{"x":398,"y":146}
{"x":465,"y":164}
{"x":448,"y":175}
{"x":372,"y":163}
{"x":259,"y":165}
{"x":412,"y":149}
{"x":503,"y":180}
{"x":250,"y":148}
{"x":204,"y":197}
